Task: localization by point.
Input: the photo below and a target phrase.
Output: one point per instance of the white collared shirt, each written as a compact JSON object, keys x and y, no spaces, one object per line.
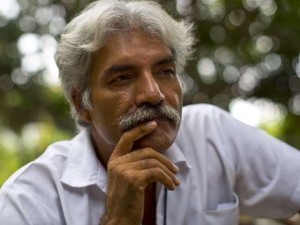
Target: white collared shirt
{"x":226,"y":168}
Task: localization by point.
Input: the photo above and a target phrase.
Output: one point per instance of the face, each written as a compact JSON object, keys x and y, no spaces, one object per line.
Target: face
{"x":129,"y":71}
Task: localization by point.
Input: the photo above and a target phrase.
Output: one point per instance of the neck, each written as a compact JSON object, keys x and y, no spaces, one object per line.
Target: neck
{"x":102,"y":151}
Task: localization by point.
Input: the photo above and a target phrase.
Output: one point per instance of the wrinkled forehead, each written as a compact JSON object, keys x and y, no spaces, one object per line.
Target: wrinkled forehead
{"x":128,"y":35}
{"x":131,"y":30}
{"x":133,"y":47}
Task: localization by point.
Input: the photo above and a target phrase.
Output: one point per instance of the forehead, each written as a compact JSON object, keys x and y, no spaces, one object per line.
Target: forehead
{"x":131,"y":34}
{"x":130,"y":47}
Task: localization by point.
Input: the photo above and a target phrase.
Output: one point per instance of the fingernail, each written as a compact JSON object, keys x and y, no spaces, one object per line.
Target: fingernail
{"x":151,"y":124}
{"x":176,"y":169}
{"x":177,"y":181}
{"x":173,"y":187}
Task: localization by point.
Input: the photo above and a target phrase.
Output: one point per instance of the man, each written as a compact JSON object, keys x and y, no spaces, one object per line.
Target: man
{"x":138,"y":158}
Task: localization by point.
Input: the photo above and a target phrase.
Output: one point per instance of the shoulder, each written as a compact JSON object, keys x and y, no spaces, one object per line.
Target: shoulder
{"x":37,"y":190}
{"x":43,"y":170}
{"x":204,"y":114}
{"x":50,"y":162}
{"x":214,"y":123}
{"x":32,"y":186}
{"x":203,"y":110}
{"x":201,"y":122}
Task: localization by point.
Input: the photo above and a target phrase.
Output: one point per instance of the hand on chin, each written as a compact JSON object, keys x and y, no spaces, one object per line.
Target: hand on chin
{"x":159,"y":140}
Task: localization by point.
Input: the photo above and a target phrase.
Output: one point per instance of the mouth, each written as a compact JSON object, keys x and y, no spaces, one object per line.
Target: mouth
{"x":156,"y":118}
{"x":148,"y":113}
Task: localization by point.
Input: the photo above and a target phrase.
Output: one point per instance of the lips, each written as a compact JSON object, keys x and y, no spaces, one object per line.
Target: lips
{"x":136,"y":123}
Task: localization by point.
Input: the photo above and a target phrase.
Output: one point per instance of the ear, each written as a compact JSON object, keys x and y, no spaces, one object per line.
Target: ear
{"x":83,"y":112}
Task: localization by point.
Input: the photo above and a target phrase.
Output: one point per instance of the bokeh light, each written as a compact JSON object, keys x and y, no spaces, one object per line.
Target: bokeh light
{"x":207,"y":70}
{"x":255,"y":112}
{"x":9,"y":9}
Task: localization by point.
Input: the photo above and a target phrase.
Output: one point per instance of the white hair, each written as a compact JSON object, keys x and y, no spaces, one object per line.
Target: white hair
{"x":89,"y":30}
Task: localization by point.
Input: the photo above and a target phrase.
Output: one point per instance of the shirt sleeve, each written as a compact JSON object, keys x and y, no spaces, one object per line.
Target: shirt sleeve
{"x":267,"y":170}
{"x":17,"y":207}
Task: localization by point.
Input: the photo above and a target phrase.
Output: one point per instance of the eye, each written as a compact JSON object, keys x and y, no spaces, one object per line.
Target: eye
{"x":168,"y":72}
{"x":122,"y":79}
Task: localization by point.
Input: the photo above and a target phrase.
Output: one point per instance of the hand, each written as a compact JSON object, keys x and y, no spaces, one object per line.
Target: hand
{"x":130,"y":172}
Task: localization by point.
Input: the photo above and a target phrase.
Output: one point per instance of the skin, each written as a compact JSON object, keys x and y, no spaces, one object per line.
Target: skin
{"x":129,"y":70}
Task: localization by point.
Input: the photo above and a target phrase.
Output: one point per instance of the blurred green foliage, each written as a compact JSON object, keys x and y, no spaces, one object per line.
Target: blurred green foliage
{"x":246,"y":49}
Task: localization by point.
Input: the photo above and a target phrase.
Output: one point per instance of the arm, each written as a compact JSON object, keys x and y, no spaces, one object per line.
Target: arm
{"x":18,"y":207}
{"x":267,"y":170}
{"x":129,"y":173}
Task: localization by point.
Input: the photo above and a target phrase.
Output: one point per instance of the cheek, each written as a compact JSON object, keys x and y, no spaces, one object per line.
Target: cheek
{"x":107,"y":108}
{"x":175,"y":96}
{"x":180,"y":95}
{"x":111,"y":104}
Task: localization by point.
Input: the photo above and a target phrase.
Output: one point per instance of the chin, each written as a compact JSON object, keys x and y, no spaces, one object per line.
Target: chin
{"x":159,"y":142}
{"x":160,"y":139}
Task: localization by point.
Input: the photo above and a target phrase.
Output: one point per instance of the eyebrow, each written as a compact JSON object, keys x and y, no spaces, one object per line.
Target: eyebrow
{"x":125,"y":67}
{"x":167,"y":60}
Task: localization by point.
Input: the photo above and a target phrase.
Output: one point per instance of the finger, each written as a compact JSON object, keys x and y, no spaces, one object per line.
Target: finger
{"x":151,"y":163}
{"x":129,"y":137}
{"x":149,"y":153}
{"x":156,"y":175}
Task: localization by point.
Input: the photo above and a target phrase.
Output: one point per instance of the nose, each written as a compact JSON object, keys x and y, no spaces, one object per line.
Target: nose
{"x":148,"y":90}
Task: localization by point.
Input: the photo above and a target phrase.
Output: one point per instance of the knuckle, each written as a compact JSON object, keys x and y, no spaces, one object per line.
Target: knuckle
{"x":129,"y":177}
{"x":123,"y":175}
{"x":149,"y":152}
{"x":110,"y":167}
{"x":115,"y":168}
{"x":155,"y":172}
{"x":112,"y":164}
{"x":132,"y":180}
{"x":148,"y":163}
{"x":152,"y":162}
{"x":145,"y":151}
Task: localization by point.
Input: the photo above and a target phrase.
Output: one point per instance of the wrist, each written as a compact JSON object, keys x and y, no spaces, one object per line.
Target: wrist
{"x":105,"y":220}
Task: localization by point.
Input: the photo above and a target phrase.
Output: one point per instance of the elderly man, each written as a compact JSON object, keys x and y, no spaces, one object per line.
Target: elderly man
{"x":140,"y":158}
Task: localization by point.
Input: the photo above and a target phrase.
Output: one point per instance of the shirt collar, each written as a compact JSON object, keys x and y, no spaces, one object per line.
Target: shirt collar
{"x":175,"y":154}
{"x":83,"y":167}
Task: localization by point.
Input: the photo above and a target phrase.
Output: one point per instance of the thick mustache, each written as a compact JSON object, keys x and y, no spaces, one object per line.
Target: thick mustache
{"x":148,"y":112}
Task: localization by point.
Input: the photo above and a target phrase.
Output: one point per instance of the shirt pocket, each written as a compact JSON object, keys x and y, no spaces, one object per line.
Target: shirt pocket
{"x":225,"y":213}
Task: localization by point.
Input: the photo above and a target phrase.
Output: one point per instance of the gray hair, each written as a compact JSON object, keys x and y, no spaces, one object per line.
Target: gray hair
{"x":89,"y":30}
